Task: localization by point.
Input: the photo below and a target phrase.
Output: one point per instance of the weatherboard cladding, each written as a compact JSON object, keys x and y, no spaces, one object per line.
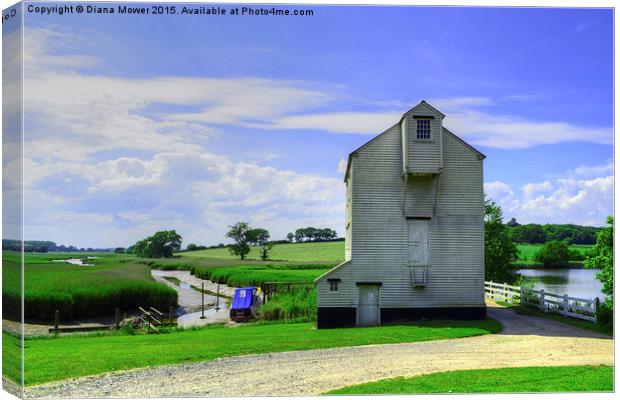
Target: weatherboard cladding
{"x":424,"y":156}
{"x":455,"y":276}
{"x":348,"y":228}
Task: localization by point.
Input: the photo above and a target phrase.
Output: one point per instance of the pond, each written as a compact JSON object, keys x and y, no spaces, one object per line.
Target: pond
{"x":75,"y":261}
{"x":573,"y":282}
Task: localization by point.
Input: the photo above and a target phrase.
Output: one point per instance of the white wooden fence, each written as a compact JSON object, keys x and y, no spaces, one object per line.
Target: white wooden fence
{"x":572,"y":307}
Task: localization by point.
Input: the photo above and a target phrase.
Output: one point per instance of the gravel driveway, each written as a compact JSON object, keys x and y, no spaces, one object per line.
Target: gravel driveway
{"x":525,"y":341}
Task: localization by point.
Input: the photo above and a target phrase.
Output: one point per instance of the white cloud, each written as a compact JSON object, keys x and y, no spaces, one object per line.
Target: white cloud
{"x":38,"y":58}
{"x":464,"y":117}
{"x":501,"y":193}
{"x":197,"y":193}
{"x":458,"y":103}
{"x":336,"y":122}
{"x":564,"y":200}
{"x":584,"y":170}
{"x":157,"y":171}
{"x":110,"y":108}
{"x":513,"y":132}
{"x":530,"y":189}
{"x":342,"y":166}
{"x":497,"y":189}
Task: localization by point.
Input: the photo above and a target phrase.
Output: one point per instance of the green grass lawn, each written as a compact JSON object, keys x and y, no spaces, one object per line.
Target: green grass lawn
{"x":320,"y":251}
{"x":80,"y":291}
{"x":502,"y":380}
{"x":11,"y":357}
{"x":56,"y":358}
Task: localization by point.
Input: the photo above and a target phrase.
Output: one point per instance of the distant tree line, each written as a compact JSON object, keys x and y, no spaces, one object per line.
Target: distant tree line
{"x":45,"y":246}
{"x":538,"y":234}
{"x":312,"y":234}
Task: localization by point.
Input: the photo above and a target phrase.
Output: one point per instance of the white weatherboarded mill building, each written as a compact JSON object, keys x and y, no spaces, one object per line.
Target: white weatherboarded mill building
{"x":414,"y":229}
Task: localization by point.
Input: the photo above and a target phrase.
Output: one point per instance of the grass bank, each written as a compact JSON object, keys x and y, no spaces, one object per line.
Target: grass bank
{"x":244,"y":274}
{"x":79,"y":291}
{"x":50,"y":359}
{"x":502,"y":380}
{"x":256,"y":275}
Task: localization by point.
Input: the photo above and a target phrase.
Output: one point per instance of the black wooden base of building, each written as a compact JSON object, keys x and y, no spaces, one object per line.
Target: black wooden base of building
{"x":345,"y":317}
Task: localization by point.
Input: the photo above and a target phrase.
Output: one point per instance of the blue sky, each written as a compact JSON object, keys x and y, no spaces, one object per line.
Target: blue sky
{"x":140,"y":123}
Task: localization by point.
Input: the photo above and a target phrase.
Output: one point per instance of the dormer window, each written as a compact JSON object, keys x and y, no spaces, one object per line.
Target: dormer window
{"x":424,"y":129}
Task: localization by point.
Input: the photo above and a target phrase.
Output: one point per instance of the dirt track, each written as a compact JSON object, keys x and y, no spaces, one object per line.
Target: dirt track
{"x":524,"y":341}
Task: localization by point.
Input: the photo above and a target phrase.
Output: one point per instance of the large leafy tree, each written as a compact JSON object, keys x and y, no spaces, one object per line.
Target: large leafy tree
{"x":260,"y":237}
{"x":241,"y":234}
{"x":602,"y":257}
{"x":290,"y":237}
{"x":161,"y":244}
{"x":555,"y":253}
{"x":499,"y":250}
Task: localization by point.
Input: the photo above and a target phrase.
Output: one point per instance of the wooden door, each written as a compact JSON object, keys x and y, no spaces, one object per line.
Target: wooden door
{"x":418,"y":242}
{"x":368,"y":306}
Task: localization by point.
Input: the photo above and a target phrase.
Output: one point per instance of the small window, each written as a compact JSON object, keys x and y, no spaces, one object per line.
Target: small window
{"x":424,"y":129}
{"x":333,"y":285}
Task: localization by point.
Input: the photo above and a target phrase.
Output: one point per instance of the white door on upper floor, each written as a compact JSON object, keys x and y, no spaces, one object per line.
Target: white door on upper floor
{"x":418,"y":242}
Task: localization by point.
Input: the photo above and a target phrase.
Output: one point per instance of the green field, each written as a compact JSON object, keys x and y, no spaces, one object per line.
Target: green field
{"x":515,"y":380}
{"x":79,"y":291}
{"x":319,"y":251}
{"x":50,"y":359}
{"x":527,"y":253}
{"x":334,"y":251}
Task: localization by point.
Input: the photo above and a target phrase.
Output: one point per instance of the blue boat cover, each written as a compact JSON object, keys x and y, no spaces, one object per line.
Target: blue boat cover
{"x":243,"y":298}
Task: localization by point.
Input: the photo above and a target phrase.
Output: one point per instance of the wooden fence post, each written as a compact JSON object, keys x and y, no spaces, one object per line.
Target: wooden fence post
{"x":117,"y":318}
{"x":56,"y":320}
{"x":542,"y":299}
{"x":203,"y":301}
{"x":565,"y":306}
{"x":505,"y":292}
{"x":170,"y":309}
{"x":217,"y":299}
{"x":597,"y":304}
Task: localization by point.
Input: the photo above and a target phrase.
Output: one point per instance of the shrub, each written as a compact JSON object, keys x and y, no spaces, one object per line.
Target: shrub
{"x":605,"y":315}
{"x":554,"y":253}
{"x":294,"y":304}
{"x":499,"y":250}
